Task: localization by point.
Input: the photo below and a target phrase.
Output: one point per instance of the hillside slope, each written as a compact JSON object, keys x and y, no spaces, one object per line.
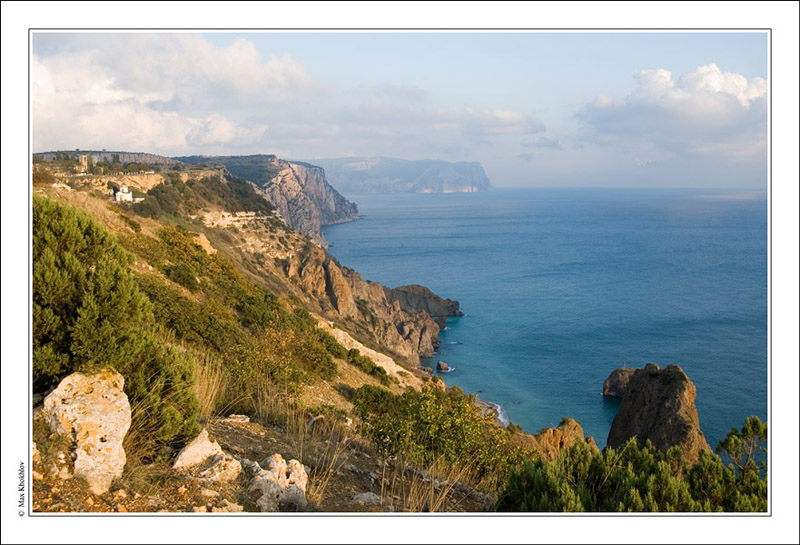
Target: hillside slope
{"x":300,"y":191}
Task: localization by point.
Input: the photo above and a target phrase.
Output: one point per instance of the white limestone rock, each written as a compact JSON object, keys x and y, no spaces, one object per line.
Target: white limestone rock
{"x":280,"y":483}
{"x":207,"y":459}
{"x":95,"y":411}
{"x":197,"y":452}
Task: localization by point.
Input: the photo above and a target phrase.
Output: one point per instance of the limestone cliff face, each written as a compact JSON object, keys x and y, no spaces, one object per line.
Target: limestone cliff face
{"x":343,"y":295}
{"x":659,"y":405}
{"x":300,"y":191}
{"x":549,"y":442}
{"x":415,"y":298}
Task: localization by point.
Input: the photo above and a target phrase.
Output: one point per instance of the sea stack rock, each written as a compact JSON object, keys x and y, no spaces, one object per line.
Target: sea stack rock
{"x":659,"y":406}
{"x":617,"y":382}
{"x":95,"y":411}
{"x":443,"y":367}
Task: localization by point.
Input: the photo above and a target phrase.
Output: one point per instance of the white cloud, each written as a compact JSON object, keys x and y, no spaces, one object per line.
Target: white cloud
{"x":179,"y":94}
{"x":705,"y":112}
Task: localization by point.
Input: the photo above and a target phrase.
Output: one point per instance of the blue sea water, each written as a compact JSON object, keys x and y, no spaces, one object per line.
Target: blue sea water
{"x":561,"y":286}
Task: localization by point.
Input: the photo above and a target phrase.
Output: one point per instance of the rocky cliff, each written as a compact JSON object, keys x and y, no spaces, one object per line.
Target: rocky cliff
{"x":617,"y":382}
{"x":659,"y":405}
{"x":414,"y":298}
{"x":358,"y":175}
{"x":343,"y":295}
{"x":549,"y":442}
{"x":300,"y":191}
{"x":289,"y":263}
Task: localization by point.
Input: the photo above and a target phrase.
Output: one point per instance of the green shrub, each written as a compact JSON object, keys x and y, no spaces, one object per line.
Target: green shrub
{"x":368,"y":366}
{"x":331,"y":344}
{"x":183,"y":274}
{"x":88,"y":313}
{"x":433,"y":425}
{"x":634,"y":478}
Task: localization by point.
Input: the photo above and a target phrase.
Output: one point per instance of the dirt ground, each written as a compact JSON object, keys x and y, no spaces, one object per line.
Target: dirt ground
{"x":340,"y":468}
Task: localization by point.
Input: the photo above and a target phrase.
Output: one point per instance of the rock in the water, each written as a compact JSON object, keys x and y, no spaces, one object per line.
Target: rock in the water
{"x":617,"y":382}
{"x":442,"y":366}
{"x":367,"y":498}
{"x":208,"y":460}
{"x":95,"y":411}
{"x":659,"y":406}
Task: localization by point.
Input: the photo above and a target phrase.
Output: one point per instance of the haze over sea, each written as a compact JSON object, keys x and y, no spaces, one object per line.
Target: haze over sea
{"x":561,"y":286}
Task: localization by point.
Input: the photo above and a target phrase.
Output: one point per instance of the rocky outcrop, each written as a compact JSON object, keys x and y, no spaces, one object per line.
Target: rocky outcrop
{"x":343,"y":295}
{"x":549,"y":442}
{"x":659,"y":406}
{"x":95,"y":412}
{"x":281,"y":483}
{"x":300,"y":191}
{"x":617,"y":382}
{"x":414,"y":298}
{"x":206,"y":460}
{"x":358,"y":175}
{"x":442,"y":366}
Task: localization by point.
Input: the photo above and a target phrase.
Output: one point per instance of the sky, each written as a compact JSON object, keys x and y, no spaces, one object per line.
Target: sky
{"x":646,"y":109}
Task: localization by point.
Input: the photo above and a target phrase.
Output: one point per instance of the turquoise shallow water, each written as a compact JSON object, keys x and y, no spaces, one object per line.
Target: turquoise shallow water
{"x":561,"y":286}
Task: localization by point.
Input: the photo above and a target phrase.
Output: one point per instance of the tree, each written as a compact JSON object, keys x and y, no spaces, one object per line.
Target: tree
{"x":746,"y":447}
{"x":88,"y":313}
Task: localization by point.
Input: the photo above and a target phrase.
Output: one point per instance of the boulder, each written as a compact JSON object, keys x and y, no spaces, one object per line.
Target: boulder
{"x":197,"y":452}
{"x":280,"y":483}
{"x":442,"y":366}
{"x":617,"y":382}
{"x":659,"y":406}
{"x":207,"y":460}
{"x":95,"y":411}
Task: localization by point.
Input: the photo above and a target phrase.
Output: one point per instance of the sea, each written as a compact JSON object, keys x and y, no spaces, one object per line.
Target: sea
{"x":559,"y":287}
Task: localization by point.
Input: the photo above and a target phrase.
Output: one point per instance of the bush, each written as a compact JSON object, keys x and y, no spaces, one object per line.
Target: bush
{"x":432,"y":425}
{"x":183,"y":274}
{"x":634,"y":478}
{"x":331,"y":344}
{"x":368,"y":366}
{"x":88,"y":313}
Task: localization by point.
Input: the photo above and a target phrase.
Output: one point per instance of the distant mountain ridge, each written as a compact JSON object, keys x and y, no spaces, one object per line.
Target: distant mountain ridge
{"x":358,"y":175}
{"x":123,"y":156}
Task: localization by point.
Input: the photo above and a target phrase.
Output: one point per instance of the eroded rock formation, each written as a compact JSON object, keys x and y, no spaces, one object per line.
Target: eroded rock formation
{"x":549,"y":442}
{"x":617,"y":382}
{"x":414,"y":298}
{"x":344,"y":295}
{"x":280,"y":483}
{"x":206,"y":460}
{"x":659,"y":406}
{"x":95,"y":411}
{"x":300,"y":191}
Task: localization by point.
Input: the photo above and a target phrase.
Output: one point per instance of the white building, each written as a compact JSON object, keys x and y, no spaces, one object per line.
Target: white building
{"x":123,"y":195}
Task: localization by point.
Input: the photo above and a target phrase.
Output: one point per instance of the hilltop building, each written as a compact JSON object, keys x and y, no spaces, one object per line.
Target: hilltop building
{"x":123,"y":195}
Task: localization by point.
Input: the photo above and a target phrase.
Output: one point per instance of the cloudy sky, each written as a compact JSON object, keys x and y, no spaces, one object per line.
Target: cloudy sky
{"x":539,"y":109}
